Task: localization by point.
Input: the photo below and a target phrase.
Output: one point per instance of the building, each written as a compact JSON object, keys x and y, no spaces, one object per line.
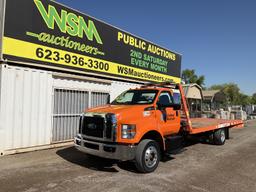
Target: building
{"x":214,"y":99}
{"x":194,"y":95}
{"x":56,"y":62}
{"x":250,"y":109}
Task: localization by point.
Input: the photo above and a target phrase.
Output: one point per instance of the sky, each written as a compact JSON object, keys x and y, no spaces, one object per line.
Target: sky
{"x":217,"y":38}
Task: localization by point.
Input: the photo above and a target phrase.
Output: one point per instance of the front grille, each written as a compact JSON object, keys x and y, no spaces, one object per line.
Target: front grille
{"x":93,"y":126}
{"x":97,"y":127}
{"x":109,"y":126}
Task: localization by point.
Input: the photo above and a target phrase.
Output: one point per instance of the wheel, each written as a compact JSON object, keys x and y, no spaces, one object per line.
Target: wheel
{"x":147,"y":156}
{"x":219,"y":137}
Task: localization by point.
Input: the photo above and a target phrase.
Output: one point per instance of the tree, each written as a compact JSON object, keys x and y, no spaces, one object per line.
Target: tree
{"x":233,"y":94}
{"x":189,"y":76}
{"x":253,"y":99}
{"x":244,"y":99}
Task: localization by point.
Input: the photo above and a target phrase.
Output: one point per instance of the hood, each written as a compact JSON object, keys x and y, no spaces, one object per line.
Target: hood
{"x":124,"y":113}
{"x":117,"y":109}
{"x":129,"y":114}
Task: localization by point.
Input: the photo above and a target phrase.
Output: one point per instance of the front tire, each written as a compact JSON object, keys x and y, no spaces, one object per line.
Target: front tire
{"x":219,"y":137}
{"x":147,"y":156}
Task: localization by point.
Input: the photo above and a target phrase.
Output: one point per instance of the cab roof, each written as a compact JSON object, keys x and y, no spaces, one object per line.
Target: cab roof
{"x":153,"y":88}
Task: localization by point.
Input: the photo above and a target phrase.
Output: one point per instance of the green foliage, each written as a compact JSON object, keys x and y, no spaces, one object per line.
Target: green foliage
{"x":231,"y":90}
{"x":253,"y":99}
{"x":233,"y":94}
{"x":245,"y":99}
{"x":189,"y":76}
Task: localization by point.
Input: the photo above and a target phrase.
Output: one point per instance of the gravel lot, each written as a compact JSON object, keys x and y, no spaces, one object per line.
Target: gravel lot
{"x":198,"y":167}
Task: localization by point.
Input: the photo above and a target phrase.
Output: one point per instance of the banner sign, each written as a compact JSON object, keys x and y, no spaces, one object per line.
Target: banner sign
{"x":47,"y":33}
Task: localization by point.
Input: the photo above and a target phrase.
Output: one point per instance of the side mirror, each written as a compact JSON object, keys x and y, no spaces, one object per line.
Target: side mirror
{"x":176,"y":107}
{"x":171,"y":105}
{"x":161,"y":105}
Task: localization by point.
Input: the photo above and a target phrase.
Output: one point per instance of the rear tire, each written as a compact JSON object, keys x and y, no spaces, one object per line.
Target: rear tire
{"x":219,"y":137}
{"x":147,"y":156}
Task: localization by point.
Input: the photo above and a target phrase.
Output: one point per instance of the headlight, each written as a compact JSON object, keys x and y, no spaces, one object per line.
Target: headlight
{"x":128,"y":131}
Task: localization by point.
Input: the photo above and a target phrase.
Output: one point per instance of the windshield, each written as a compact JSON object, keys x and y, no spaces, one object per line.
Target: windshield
{"x":134,"y":97}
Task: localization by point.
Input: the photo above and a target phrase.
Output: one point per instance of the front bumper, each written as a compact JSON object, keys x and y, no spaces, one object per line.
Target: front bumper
{"x":110,"y":151}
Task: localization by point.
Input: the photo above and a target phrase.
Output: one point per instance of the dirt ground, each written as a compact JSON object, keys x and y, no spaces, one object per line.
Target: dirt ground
{"x":198,"y":167}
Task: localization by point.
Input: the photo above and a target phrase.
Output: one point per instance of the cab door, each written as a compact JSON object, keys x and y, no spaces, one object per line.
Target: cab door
{"x":168,"y":118}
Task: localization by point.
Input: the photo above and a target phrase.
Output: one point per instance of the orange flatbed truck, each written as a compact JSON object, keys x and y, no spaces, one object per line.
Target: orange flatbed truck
{"x":145,"y":123}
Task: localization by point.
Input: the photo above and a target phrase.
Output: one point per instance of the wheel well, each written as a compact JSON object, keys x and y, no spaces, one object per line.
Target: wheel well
{"x":154,"y":135}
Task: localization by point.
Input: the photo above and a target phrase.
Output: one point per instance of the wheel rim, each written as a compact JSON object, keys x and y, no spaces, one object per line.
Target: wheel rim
{"x":222,"y":136}
{"x":151,"y":156}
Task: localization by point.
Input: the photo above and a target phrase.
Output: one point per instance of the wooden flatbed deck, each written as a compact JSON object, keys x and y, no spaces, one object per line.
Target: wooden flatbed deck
{"x":200,"y":125}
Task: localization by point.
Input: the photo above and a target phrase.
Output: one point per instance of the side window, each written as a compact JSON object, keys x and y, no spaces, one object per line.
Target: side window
{"x":176,"y":98}
{"x":165,"y":98}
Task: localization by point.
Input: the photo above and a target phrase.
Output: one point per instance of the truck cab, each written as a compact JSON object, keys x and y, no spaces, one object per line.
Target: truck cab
{"x":115,"y":130}
{"x":138,"y":123}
